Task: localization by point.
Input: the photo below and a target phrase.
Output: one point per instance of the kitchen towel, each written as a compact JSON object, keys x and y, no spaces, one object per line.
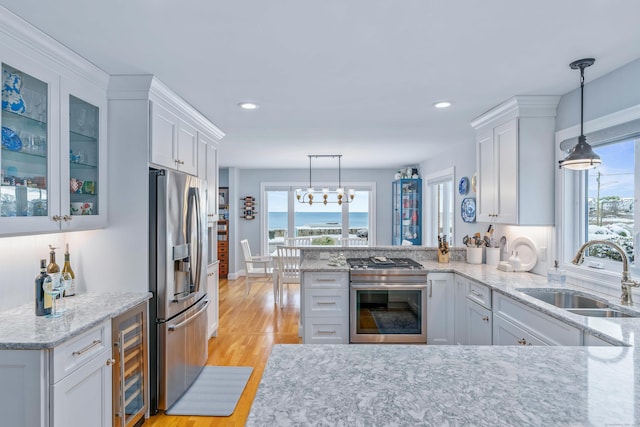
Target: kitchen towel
{"x":215,"y":393}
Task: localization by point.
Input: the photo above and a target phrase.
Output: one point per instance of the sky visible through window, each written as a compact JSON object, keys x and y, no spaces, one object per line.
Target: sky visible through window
{"x":616,"y":171}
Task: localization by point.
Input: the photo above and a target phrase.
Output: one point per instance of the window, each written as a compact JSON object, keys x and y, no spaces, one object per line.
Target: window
{"x":286,"y":217}
{"x":610,"y":193}
{"x":599,"y":204}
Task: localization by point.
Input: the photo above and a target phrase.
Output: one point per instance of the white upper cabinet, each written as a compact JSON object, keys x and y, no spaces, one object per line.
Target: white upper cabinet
{"x":174,"y":141}
{"x":52,"y":157}
{"x":516,"y":162}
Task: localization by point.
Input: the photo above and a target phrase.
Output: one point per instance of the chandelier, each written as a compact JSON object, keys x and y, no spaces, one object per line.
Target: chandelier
{"x":308,"y":196}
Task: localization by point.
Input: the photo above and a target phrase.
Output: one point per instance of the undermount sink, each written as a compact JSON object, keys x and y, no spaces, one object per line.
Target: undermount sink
{"x":600,"y":312}
{"x":576,"y":302}
{"x":565,"y":298}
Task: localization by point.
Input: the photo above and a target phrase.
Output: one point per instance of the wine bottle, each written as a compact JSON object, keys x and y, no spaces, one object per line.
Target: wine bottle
{"x":43,"y":299}
{"x":52,"y":267}
{"x":66,"y":268}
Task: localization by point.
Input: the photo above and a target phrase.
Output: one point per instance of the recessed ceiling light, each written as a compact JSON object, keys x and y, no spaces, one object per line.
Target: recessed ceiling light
{"x":442,"y":104}
{"x":248,"y":105}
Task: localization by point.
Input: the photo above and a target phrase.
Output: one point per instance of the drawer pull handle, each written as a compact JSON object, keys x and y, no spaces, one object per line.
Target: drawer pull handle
{"x":87,"y":348}
{"x":326,"y":332}
{"x":485,"y":318}
{"x":476,"y":293}
{"x":325,"y":280}
{"x":326,"y":303}
{"x":111,"y":362}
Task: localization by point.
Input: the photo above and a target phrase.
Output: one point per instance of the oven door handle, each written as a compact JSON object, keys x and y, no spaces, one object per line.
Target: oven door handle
{"x":400,"y":287}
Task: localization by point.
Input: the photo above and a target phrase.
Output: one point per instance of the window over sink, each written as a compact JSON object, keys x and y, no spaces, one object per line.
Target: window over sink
{"x":599,"y":204}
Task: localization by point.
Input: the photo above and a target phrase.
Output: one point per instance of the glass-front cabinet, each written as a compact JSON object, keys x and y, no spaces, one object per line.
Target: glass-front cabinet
{"x":51,"y":155}
{"x":407,"y":211}
{"x":83,"y":156}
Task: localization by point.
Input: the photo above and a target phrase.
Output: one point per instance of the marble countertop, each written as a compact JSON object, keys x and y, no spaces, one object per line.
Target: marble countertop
{"x":386,"y":384}
{"x":21,"y":329}
{"x":408,"y":385}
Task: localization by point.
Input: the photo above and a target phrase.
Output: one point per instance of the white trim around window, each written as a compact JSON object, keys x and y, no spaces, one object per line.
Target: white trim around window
{"x":571,"y":214}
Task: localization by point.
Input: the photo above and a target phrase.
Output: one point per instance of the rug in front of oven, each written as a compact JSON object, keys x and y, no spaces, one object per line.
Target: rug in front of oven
{"x":396,"y":322}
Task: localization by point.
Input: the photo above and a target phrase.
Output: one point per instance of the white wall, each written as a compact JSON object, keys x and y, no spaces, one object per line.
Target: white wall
{"x":463,"y":159}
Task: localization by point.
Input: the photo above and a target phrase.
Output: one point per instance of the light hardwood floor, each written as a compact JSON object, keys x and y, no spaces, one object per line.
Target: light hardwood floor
{"x":248,"y":327}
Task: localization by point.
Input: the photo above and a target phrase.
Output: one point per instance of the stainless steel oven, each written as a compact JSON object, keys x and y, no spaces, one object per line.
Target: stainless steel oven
{"x":388,"y":298}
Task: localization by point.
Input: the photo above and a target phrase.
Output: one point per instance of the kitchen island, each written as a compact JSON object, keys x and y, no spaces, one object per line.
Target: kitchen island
{"x":373,"y":384}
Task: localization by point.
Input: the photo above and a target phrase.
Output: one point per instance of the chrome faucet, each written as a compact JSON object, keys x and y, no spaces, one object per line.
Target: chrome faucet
{"x":626,"y":283}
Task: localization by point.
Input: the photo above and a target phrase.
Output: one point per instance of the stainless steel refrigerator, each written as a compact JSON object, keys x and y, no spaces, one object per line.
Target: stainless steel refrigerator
{"x":177,"y":279}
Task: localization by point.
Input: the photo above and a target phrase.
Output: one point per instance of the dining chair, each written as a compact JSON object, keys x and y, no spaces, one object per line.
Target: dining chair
{"x":288,"y":259}
{"x":256,"y":267}
{"x":297,"y":241}
{"x":352,"y":241}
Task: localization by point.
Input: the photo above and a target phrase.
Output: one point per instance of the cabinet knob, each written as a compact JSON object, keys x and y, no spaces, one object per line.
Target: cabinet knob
{"x":67,"y":218}
{"x":523,"y":342}
{"x":180,"y":162}
{"x":485,"y":318}
{"x":111,"y":362}
{"x":56,"y":218}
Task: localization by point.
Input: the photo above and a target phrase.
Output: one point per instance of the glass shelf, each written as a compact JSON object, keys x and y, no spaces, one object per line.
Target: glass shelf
{"x":80,"y":137}
{"x":21,"y":155}
{"x":79,"y":165}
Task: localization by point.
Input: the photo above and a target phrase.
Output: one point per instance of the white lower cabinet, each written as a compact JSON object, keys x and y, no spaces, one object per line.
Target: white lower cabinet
{"x":212,"y":293}
{"x":67,"y":386}
{"x":479,"y":329}
{"x":506,"y":333}
{"x":538,"y":325}
{"x":440,"y":308}
{"x":83,"y":398}
{"x":459,"y":327}
{"x":325,"y":307}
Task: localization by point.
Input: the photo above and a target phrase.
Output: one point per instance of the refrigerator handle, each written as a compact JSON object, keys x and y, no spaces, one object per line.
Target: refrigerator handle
{"x":172,"y":327}
{"x":194,"y":205}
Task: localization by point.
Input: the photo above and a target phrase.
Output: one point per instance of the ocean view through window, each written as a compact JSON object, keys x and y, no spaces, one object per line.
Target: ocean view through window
{"x":324,"y":224}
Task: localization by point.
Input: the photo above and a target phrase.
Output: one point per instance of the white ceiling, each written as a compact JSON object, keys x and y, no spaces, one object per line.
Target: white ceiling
{"x":354,"y":77}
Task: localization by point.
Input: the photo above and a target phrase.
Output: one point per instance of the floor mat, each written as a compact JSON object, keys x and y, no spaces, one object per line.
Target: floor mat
{"x":396,"y":322}
{"x":215,"y":393}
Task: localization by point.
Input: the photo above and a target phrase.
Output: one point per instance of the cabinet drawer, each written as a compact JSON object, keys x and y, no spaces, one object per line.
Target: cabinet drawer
{"x":326,"y":280}
{"x":551,"y":331}
{"x":80,"y":350}
{"x":479,"y":293}
{"x":323,"y":330}
{"x":223,"y":247}
{"x":326,"y":303}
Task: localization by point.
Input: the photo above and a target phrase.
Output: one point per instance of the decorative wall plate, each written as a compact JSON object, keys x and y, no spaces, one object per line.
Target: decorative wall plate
{"x":468,"y":209}
{"x":463,"y":187}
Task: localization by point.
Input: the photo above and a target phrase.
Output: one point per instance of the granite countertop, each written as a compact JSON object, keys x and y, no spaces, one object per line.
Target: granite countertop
{"x":21,"y":329}
{"x":387,"y":384}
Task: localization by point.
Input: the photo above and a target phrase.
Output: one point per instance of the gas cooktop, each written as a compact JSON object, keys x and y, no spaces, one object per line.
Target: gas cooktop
{"x":380,"y":262}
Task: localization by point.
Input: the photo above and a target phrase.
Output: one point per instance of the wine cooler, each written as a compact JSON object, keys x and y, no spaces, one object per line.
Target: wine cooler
{"x":130,"y":371}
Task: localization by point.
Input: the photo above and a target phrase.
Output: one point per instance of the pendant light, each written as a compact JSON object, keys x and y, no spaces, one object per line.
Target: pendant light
{"x":581,"y":156}
{"x":307,"y":197}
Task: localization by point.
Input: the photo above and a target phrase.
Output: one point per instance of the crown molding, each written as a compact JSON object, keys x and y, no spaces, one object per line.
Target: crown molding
{"x":149,"y":87}
{"x":23,"y":37}
{"x":519,"y":106}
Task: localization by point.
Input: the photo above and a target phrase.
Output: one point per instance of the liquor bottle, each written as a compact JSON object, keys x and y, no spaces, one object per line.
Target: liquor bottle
{"x":43,"y":299}
{"x":52,"y":267}
{"x":66,"y":268}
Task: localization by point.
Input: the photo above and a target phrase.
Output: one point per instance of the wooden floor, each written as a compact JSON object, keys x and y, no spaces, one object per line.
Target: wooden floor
{"x":248,"y":327}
